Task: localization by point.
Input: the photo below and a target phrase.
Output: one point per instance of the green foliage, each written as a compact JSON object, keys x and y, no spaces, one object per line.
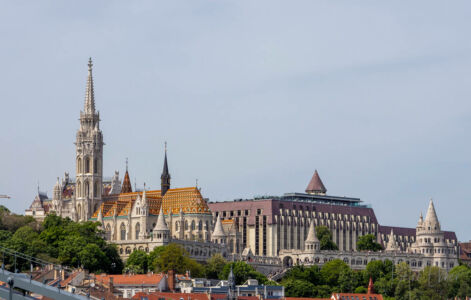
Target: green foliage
{"x":377,"y":269}
{"x":309,"y":274}
{"x":299,"y":288}
{"x":137,"y":262}
{"x":330,"y":271}
{"x":368,"y":243}
{"x":325,"y":238}
{"x":242,"y":272}
{"x":432,"y":281}
{"x":214,"y":266}
{"x":360,"y":290}
{"x":58,"y":240}
{"x":174,"y":257}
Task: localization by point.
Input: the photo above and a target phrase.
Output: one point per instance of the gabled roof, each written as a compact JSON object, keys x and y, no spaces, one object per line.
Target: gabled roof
{"x":316,"y":185}
{"x":138,"y":279}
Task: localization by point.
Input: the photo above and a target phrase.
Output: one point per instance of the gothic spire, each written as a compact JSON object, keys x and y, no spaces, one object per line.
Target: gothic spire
{"x":165,"y":177}
{"x":126,"y":187}
{"x":89,"y":93}
{"x":431,"y":218}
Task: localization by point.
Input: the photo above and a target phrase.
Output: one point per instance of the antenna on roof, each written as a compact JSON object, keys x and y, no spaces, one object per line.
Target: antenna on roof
{"x":196,"y":182}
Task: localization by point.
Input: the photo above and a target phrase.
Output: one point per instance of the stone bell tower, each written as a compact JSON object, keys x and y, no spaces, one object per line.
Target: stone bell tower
{"x":89,"y":156}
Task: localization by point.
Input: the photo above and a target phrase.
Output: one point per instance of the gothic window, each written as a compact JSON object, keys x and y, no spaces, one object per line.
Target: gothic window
{"x":206,"y":227}
{"x":87,"y":189}
{"x":123,"y":231}
{"x":193,"y":225}
{"x":79,"y":189}
{"x":95,"y":189}
{"x":186,"y":225}
{"x":200,"y":225}
{"x":79,"y":165}
{"x":87,"y":165}
{"x":95,"y":166}
{"x":108,"y":232}
{"x":79,"y":208}
{"x":176,"y":225}
{"x":138,"y":229}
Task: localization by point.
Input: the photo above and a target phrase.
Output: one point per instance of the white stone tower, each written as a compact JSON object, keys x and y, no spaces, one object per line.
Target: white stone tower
{"x":311,"y":244}
{"x":89,"y":156}
{"x":161,"y":233}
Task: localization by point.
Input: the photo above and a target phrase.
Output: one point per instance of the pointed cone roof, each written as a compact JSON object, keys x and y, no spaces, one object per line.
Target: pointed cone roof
{"x":316,"y":186}
{"x":431,"y":217}
{"x":218,"y":230}
{"x":89,"y":93}
{"x":311,"y":235}
{"x":391,"y":242}
{"x":371,"y":288}
{"x":161,"y":225}
{"x":231,"y":279}
{"x":126,"y":187}
{"x":100,"y":216}
{"x":165,"y":172}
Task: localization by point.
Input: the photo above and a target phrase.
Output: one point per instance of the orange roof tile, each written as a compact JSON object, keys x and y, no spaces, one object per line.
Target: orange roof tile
{"x":131,"y":279}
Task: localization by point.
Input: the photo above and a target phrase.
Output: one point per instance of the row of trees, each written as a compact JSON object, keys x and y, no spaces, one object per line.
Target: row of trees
{"x":393,"y":281}
{"x":174,"y":257}
{"x":57,"y":240}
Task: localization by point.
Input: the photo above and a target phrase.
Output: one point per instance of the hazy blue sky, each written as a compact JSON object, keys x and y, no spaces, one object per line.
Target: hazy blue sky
{"x":251,"y":96}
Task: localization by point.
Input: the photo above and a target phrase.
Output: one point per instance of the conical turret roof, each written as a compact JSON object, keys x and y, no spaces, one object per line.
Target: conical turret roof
{"x":311,"y":235}
{"x":161,"y":225}
{"x":126,"y":187}
{"x":316,"y":186}
{"x":431,"y":217}
{"x":218,"y":230}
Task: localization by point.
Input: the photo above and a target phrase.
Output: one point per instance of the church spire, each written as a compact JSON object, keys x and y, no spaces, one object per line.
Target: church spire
{"x":89,"y":93}
{"x":165,"y":177}
{"x":126,"y":187}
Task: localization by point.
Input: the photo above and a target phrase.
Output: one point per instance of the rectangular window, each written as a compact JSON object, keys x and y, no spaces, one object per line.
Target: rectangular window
{"x":244,"y":233}
{"x":264,"y":227}
{"x":257,"y":235}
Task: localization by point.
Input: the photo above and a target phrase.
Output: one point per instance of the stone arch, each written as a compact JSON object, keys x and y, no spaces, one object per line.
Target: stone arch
{"x":78,"y":190}
{"x":87,"y":164}
{"x":287,"y":261}
{"x":87,"y":189}
{"x":79,"y":165}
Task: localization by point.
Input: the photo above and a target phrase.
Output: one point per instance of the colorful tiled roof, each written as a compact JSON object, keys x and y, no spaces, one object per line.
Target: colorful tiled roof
{"x":126,"y":187}
{"x":189,"y":200}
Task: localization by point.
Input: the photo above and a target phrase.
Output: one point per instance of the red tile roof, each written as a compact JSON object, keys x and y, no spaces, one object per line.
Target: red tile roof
{"x":137,"y":279}
{"x":341,"y":296}
{"x":316,"y":185}
{"x":302,"y":298}
{"x":171,"y":296}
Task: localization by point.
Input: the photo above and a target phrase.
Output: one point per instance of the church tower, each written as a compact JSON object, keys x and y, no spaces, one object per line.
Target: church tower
{"x":165,"y":177}
{"x":89,"y":156}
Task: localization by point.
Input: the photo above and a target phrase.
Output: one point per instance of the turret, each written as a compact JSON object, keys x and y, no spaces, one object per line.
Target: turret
{"x":392,"y":245}
{"x":311,"y":244}
{"x":315,"y":186}
{"x":218,"y":236}
{"x":161,"y":233}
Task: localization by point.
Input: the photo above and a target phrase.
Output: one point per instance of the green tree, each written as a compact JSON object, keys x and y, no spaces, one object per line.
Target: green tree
{"x":361,"y":290}
{"x":214,"y":266}
{"x":432,"y":283}
{"x":346,"y":280}
{"x":325,"y":238}
{"x":309,"y":274}
{"x":377,"y":269}
{"x":174,"y":257}
{"x":299,"y":288}
{"x":242,"y":272}
{"x":368,"y":243}
{"x":93,"y":258}
{"x":459,"y":281}
{"x":330,"y":271}
{"x":137,"y":262}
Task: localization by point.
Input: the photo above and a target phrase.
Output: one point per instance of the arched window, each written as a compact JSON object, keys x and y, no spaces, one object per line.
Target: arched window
{"x":122,"y":229}
{"x":95,"y":189}
{"x":87,"y":165}
{"x":108,"y":232}
{"x":138,"y":229}
{"x":78,"y":191}
{"x":186,"y":225}
{"x":176,"y":225}
{"x":79,"y":211}
{"x":193,"y":225}
{"x":79,"y":165}
{"x":206,"y":227}
{"x":95,"y":166}
{"x":200,"y":225}
{"x":87,"y":189}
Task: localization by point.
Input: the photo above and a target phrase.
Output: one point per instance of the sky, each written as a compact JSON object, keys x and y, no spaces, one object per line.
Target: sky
{"x":251,"y":96}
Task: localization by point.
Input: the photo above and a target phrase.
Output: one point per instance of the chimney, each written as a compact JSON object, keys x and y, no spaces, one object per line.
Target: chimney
{"x":111,"y":285}
{"x":171,"y":280}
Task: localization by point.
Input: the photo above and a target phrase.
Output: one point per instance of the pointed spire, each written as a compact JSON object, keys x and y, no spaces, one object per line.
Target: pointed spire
{"x":231,"y":279}
{"x":89,"y":93}
{"x":391,"y":246}
{"x":316,"y":186}
{"x":161,"y":225}
{"x":165,"y":177}
{"x":431,"y":218}
{"x":371,"y":288}
{"x":126,"y":187}
{"x":100,"y":216}
{"x":218,"y":229}
{"x":311,"y":235}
